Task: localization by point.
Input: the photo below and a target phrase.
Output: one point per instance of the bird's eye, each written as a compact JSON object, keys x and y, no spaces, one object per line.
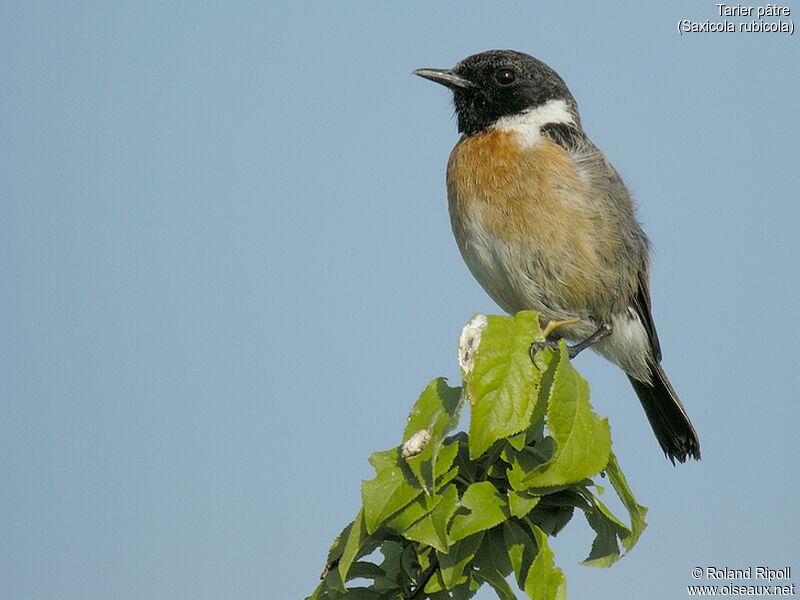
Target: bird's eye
{"x":505,"y":76}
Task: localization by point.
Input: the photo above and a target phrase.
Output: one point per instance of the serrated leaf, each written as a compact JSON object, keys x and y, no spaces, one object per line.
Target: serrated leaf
{"x":503,"y":384}
{"x":421,"y":508}
{"x":334,"y":583}
{"x":446,"y":478}
{"x":521,"y":549}
{"x":390,"y":566}
{"x":435,"y":587}
{"x":608,"y":529}
{"x":355,"y":540}
{"x":468,"y":469}
{"x":456,"y":559}
{"x":335,"y":552}
{"x":582,"y":439}
{"x":526,"y":461}
{"x":484,"y":507}
{"x":517,"y":442}
{"x":569,"y":497}
{"x":436,"y":412}
{"x":447,"y":454}
{"x":365,"y":570}
{"x":409,"y":562}
{"x":636,"y":511}
{"x":555,"y":510}
{"x":492,"y":556}
{"x":551,"y":519}
{"x":393,"y":488}
{"x":545,"y":581}
{"x":520,"y":503}
{"x":463,"y":591}
{"x":413,"y":512}
{"x":497,"y":471}
{"x":431,"y":529}
{"x":320,"y":593}
{"x":500,"y":586}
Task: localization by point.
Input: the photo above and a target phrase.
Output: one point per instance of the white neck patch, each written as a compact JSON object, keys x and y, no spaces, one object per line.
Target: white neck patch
{"x":527,"y":125}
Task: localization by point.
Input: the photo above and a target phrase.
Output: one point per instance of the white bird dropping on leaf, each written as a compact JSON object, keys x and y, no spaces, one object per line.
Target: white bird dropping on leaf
{"x":416,"y":443}
{"x":469,"y":341}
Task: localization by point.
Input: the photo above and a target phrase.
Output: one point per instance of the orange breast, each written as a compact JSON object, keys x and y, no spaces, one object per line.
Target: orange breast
{"x":535,"y":199}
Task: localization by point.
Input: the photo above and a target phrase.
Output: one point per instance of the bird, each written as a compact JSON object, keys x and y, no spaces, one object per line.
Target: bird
{"x":544,"y":222}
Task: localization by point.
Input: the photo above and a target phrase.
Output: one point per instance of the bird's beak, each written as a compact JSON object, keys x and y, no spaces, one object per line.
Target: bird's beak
{"x":446,"y":77}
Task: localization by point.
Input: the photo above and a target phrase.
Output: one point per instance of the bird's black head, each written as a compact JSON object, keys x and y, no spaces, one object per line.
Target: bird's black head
{"x":499,"y":83}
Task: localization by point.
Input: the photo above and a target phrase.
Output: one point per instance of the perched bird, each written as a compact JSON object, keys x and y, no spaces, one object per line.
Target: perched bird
{"x":545,"y":223}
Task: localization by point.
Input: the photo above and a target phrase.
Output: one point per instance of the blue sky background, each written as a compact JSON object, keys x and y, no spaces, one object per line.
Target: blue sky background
{"x":227,"y":273}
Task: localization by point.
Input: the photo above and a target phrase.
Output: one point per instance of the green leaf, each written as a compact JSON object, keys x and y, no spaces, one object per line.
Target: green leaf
{"x":420,"y":509}
{"x":365,"y":570}
{"x":320,"y":593}
{"x":446,"y":478}
{"x":500,"y":586}
{"x":431,"y":529}
{"x":409,"y":562}
{"x":517,"y":442}
{"x":362,"y":593}
{"x":435,"y":413}
{"x":551,"y":519}
{"x":523,"y":463}
{"x":390,"y":566}
{"x":447,"y":454}
{"x":463,"y":591}
{"x":333,"y":584}
{"x":468,"y":469}
{"x":484,"y":507}
{"x":582,"y":439}
{"x":636,"y":511}
{"x":605,"y":549}
{"x":456,"y":559}
{"x":334,"y":580}
{"x":492,"y":556}
{"x":520,"y":504}
{"x":521,"y":549}
{"x":503,"y":384}
{"x":355,"y":540}
{"x":555,"y":510}
{"x":393,"y":488}
{"x":405,"y":518}
{"x":335,"y":553}
{"x":545,"y":581}
{"x":435,"y":587}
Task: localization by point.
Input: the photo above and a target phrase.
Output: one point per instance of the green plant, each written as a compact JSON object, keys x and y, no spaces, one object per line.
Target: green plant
{"x":450,"y":512}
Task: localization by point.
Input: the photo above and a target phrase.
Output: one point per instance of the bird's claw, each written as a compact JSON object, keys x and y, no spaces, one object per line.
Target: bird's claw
{"x":573,"y":351}
{"x":536,"y":346}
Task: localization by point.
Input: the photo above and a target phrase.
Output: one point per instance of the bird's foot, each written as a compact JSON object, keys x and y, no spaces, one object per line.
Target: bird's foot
{"x":573,"y":351}
{"x":536,"y":346}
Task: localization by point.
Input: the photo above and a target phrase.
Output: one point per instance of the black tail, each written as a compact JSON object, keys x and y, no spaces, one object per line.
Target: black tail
{"x":669,"y":420}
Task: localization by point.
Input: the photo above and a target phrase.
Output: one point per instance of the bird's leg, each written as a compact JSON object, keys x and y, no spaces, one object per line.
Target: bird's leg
{"x":603,"y":332}
{"x":573,"y":351}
